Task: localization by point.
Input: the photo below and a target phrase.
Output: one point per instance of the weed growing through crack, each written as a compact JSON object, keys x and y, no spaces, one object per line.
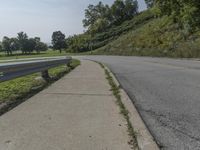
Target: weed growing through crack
{"x":116,"y":92}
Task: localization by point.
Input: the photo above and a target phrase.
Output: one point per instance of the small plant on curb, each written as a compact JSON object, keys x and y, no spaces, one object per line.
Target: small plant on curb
{"x":116,"y":92}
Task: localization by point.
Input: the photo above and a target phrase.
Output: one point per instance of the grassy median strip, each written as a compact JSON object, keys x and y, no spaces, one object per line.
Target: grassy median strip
{"x":16,"y":91}
{"x":116,"y":92}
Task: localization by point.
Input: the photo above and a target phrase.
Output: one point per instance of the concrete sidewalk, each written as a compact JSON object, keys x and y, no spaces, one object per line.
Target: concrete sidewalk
{"x":76,"y":113}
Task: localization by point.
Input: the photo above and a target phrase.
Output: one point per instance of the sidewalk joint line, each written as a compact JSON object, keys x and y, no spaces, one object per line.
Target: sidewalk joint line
{"x":78,"y":94}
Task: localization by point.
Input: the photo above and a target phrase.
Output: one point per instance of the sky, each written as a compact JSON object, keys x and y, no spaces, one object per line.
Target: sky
{"x":43,"y":17}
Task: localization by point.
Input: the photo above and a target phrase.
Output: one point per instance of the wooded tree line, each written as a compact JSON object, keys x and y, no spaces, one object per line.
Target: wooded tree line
{"x":22,"y":43}
{"x":184,"y":12}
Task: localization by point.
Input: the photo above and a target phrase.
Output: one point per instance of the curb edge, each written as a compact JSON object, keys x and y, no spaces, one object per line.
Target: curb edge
{"x":144,"y":138}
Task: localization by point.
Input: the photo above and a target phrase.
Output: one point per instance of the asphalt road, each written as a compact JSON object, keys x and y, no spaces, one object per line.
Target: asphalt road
{"x":166,"y":93}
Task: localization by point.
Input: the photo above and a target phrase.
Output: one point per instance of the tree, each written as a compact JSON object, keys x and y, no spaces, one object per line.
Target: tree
{"x":100,"y":17}
{"x":123,"y":10}
{"x":118,"y":11}
{"x":149,"y":3}
{"x":1,"y":47}
{"x":22,"y":38}
{"x":131,"y":8}
{"x":97,"y":17}
{"x":40,"y":46}
{"x":30,"y":45}
{"x":99,"y":26}
{"x":6,"y":45}
{"x":95,"y":12}
{"x":14,"y":44}
{"x":78,"y":43}
{"x":58,"y":41}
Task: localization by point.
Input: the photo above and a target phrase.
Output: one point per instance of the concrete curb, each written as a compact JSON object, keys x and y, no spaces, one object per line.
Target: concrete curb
{"x":144,"y":138}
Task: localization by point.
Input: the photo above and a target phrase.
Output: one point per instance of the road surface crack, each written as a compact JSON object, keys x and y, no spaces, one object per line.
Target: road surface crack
{"x":164,"y":121}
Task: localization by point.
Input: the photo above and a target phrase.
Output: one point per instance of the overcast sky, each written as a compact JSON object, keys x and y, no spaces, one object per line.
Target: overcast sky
{"x":42,"y":17}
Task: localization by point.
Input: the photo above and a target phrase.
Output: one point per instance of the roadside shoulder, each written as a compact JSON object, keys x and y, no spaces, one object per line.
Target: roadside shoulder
{"x":145,"y":141}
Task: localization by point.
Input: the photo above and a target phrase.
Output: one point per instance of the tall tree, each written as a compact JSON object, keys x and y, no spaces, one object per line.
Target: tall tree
{"x":58,"y":41}
{"x":96,"y":12}
{"x":6,"y":45}
{"x":131,"y":8}
{"x":22,"y":38}
{"x":118,"y":11}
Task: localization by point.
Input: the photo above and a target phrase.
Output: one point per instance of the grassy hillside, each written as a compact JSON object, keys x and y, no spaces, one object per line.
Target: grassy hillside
{"x":87,"y":42}
{"x":148,"y":36}
{"x":103,"y":38}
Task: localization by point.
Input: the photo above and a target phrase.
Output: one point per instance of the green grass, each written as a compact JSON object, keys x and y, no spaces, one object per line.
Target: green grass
{"x":116,"y":92}
{"x":23,"y":87}
{"x":112,"y":33}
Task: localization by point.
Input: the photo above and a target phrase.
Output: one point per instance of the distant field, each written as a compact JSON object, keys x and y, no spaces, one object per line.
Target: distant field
{"x":49,"y":53}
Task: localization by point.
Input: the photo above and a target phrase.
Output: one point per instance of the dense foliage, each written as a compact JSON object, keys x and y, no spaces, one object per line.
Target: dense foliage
{"x":102,"y":22}
{"x":58,"y":41}
{"x":184,"y":12}
{"x":99,"y":17}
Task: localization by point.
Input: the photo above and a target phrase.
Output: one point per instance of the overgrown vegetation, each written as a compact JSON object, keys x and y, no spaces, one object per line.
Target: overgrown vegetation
{"x":167,"y":29}
{"x":102,"y":25}
{"x":184,"y":12}
{"x":158,"y":37}
{"x":116,"y":92}
{"x":20,"y":88}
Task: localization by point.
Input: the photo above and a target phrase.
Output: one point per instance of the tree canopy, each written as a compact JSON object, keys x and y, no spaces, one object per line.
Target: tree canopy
{"x":58,"y":41}
{"x":101,"y":16}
